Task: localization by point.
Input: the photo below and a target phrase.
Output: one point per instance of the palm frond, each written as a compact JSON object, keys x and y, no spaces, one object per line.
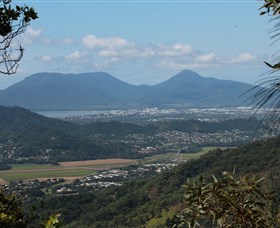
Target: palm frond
{"x":266,"y":96}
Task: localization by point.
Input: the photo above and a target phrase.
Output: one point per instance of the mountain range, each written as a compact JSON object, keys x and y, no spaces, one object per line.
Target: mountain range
{"x":56,"y":91}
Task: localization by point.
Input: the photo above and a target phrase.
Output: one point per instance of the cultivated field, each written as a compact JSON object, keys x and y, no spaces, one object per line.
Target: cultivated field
{"x":77,"y":169}
{"x":67,"y":170}
{"x":107,"y":163}
{"x":182,"y":156}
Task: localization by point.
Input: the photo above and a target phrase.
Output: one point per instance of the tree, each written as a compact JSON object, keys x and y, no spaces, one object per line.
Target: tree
{"x":13,"y":21}
{"x":13,"y":215}
{"x":267,"y":92}
{"x":228,"y":202}
{"x":270,"y":6}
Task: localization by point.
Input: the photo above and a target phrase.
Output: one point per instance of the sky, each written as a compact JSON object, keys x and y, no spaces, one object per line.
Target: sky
{"x":146,"y":41}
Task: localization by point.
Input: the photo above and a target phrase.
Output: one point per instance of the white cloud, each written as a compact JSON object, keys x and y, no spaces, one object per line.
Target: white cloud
{"x":127,"y":52}
{"x":184,"y":65}
{"x":210,"y":60}
{"x":48,"y":41}
{"x":31,"y":35}
{"x":106,"y":63}
{"x":242,"y":58}
{"x":148,"y":52}
{"x":116,"y":52}
{"x":108,"y":53}
{"x":174,"y":50}
{"x":206,"y":58}
{"x":67,"y":40}
{"x":73,"y":56}
{"x":64,"y":41}
{"x":93,"y":42}
{"x":45,"y":58}
{"x":120,"y":47}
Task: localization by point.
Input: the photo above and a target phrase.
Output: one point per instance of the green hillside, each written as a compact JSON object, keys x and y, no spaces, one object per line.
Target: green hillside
{"x":144,"y":202}
{"x":29,"y":137}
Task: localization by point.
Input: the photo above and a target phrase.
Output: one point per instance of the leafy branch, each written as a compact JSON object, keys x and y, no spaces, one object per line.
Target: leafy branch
{"x":13,"y":22}
{"x":228,"y":202}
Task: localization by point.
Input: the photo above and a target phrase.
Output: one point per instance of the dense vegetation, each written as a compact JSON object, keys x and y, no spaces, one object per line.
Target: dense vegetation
{"x":228,"y":202}
{"x":12,"y":214}
{"x":5,"y":167}
{"x":153,"y":200}
{"x":29,"y":137}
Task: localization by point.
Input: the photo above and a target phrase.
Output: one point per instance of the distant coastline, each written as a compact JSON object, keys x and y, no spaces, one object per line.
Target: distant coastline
{"x":68,"y":113}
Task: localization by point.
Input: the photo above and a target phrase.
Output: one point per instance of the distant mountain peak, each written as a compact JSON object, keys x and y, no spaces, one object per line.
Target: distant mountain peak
{"x":51,"y":91}
{"x":184,"y":76}
{"x":188,"y":73}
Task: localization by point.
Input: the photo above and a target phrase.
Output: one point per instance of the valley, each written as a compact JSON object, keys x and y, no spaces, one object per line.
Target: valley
{"x":26,"y":137}
{"x":117,"y":162}
{"x":78,"y":169}
{"x":58,"y":159}
{"x":107,"y":197}
{"x":66,"y":170}
{"x":152,"y":114}
{"x":139,"y":114}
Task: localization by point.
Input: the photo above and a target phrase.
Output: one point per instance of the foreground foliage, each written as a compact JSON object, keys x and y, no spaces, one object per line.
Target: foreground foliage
{"x":13,"y":21}
{"x":13,"y":215}
{"x":267,"y":91}
{"x":229,"y":202}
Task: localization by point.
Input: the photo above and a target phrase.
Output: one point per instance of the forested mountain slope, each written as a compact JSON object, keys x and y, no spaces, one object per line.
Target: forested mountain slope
{"x":28,"y":137}
{"x":135,"y":203}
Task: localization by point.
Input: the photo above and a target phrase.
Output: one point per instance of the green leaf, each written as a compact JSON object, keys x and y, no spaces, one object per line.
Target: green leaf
{"x":52,"y":221}
{"x":215,"y":179}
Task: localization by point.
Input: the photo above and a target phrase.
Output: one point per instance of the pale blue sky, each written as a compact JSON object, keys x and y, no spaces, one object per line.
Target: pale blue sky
{"x":147,"y":42}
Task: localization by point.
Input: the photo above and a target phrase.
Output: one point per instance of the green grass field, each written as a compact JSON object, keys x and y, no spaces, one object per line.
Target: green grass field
{"x":33,"y":171}
{"x":108,"y":165}
{"x":36,"y":171}
{"x":172,"y":156}
{"x":204,"y":150}
{"x":44,"y":174}
{"x":33,"y":166}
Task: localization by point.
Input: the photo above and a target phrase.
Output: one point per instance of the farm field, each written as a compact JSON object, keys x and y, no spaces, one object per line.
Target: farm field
{"x":67,"y":170}
{"x":182,"y":156}
{"x":77,"y":169}
{"x":18,"y":167}
{"x":107,"y":163}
